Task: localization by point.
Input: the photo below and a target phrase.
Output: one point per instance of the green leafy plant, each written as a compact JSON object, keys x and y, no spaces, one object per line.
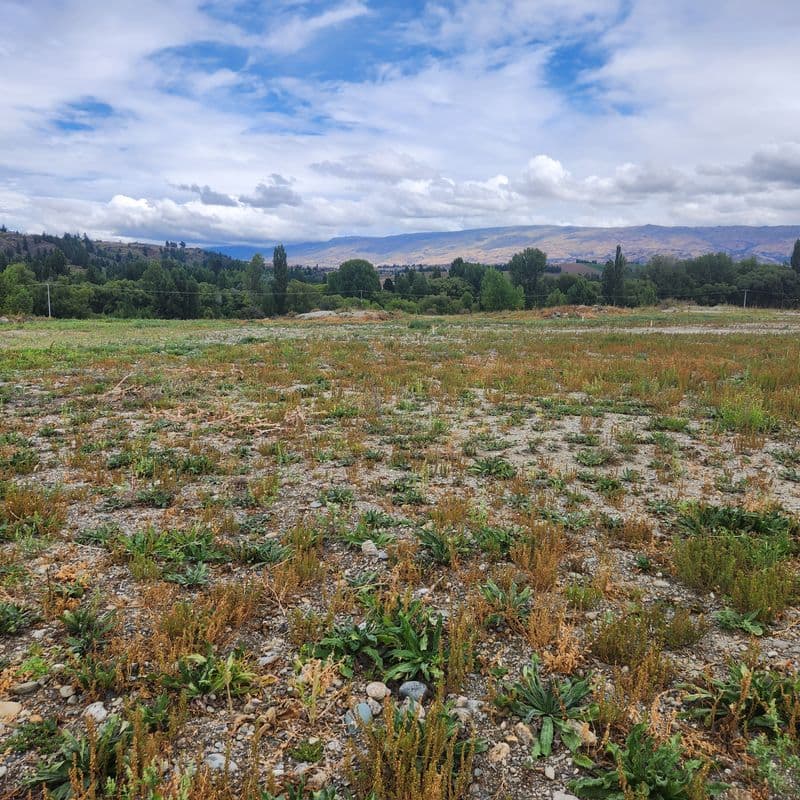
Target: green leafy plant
{"x":14,"y":618}
{"x":555,"y":704}
{"x":44,"y":736}
{"x":201,"y":675}
{"x":644,"y":768}
{"x":88,"y":630}
{"x":746,"y":698}
{"x":493,"y":467}
{"x":731,"y":620}
{"x":443,"y":546}
{"x":508,"y":604}
{"x":86,"y":762}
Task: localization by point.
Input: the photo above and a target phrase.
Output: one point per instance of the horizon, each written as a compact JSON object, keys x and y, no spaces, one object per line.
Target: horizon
{"x":245,"y":123}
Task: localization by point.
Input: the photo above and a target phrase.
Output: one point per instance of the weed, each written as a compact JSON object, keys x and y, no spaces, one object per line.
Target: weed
{"x":747,"y":698}
{"x":443,"y":546}
{"x":554,"y":704}
{"x":645,"y":768}
{"x":409,"y":758}
{"x":84,"y":763}
{"x":493,"y":467}
{"x":15,"y":618}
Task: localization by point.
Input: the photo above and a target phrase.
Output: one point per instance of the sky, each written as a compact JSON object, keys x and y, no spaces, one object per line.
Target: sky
{"x":300,"y":120}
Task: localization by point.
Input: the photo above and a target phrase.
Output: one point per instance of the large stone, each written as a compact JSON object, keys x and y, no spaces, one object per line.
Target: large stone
{"x":377,"y":690}
{"x":217,"y":762}
{"x":9,"y":710}
{"x":97,"y":712}
{"x":29,"y":687}
{"x":415,"y":690}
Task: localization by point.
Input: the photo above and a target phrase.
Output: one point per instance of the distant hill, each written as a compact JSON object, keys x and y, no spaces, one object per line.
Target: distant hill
{"x":562,"y":244}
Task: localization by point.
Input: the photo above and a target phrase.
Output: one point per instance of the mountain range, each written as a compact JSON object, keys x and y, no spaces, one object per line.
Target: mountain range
{"x":561,"y":243}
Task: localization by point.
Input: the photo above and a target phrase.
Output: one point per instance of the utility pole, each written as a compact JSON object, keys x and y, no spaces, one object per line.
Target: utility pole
{"x":49,"y":315}
{"x":744,"y":302}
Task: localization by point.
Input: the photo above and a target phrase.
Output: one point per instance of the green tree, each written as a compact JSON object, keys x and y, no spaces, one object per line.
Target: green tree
{"x":354,"y":278}
{"x":17,"y":289}
{"x":254,"y":281}
{"x":795,"y":261}
{"x":498,"y":293}
{"x":525,"y":269}
{"x":614,"y":279}
{"x":280,"y":273}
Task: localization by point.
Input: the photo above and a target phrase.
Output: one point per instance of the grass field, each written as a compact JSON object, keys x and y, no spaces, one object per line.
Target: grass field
{"x":226,"y":548}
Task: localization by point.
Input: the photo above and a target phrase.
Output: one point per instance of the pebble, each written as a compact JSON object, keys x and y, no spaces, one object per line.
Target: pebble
{"x":376,"y":690}
{"x":268,"y":659}
{"x":559,"y":795}
{"x":3,"y":771}
{"x":414,"y":690}
{"x":9,"y":711}
{"x":97,"y":712}
{"x":57,"y":669}
{"x":375,"y":706}
{"x":66,"y":691}
{"x":29,"y":687}
{"x":550,"y":773}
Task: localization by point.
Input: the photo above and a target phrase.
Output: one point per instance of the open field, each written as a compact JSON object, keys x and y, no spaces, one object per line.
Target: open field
{"x":580,"y":534}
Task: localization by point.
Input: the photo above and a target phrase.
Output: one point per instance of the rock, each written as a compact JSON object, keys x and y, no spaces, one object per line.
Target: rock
{"x":57,"y":669}
{"x":364,"y":713}
{"x":735,"y":793}
{"x":368,"y":548}
{"x":583,"y":730}
{"x":559,"y":795}
{"x":524,"y":733}
{"x":29,"y":687}
{"x":413,"y":707}
{"x":268,"y":659}
{"x":462,"y":715}
{"x":350,"y":723}
{"x":549,"y":773}
{"x":334,"y":745}
{"x":499,"y":753}
{"x":9,"y":711}
{"x":318,"y":780}
{"x":375,"y":706}
{"x":415,"y":690}
{"x":97,"y":712}
{"x":377,"y":690}
{"x":67,"y":691}
{"x":3,"y":771}
{"x":217,"y":762}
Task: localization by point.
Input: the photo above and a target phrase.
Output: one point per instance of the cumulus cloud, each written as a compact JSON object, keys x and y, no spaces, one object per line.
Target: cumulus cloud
{"x":276,"y":191}
{"x":208,"y":196}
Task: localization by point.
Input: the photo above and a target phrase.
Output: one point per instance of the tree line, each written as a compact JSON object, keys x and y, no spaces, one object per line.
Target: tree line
{"x":84,"y":278}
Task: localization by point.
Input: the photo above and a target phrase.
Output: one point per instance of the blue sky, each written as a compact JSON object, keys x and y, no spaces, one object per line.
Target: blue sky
{"x":290,"y":120}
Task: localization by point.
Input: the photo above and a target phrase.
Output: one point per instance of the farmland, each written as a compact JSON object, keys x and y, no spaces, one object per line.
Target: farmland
{"x":476,"y":556}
